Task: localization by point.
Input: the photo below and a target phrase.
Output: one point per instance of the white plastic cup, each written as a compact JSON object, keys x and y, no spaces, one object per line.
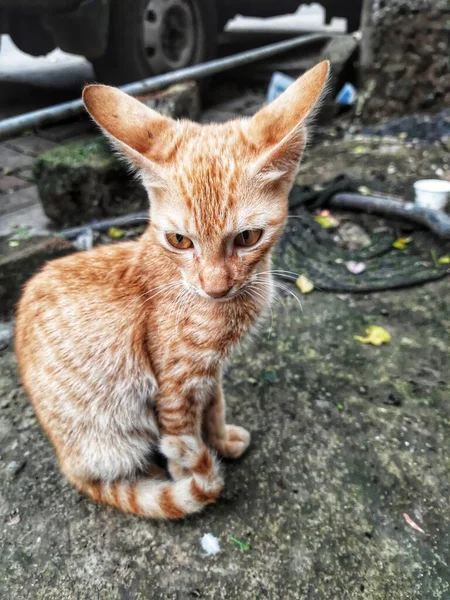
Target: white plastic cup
{"x":432,"y":193}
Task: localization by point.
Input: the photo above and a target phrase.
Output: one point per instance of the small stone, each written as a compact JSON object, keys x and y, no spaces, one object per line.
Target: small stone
{"x":353,"y":236}
{"x":14,"y":517}
{"x":15,"y":467}
{"x":392,"y":400}
{"x":323,"y":405}
{"x":391,"y":170}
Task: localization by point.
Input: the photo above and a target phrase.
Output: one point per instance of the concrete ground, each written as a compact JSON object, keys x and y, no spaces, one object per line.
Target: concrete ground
{"x":347,"y":440}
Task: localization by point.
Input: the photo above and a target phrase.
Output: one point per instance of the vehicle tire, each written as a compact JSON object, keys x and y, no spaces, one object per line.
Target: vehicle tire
{"x":150,"y":37}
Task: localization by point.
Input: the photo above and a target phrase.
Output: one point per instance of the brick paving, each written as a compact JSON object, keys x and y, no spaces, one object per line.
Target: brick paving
{"x":11,"y":183}
{"x":19,"y":199}
{"x":31,"y":145}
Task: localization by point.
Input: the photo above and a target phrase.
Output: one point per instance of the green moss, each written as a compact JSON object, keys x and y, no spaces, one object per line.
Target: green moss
{"x":93,"y":152}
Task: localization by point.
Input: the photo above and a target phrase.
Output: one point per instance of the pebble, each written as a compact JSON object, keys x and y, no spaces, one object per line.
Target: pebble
{"x":16,"y":467}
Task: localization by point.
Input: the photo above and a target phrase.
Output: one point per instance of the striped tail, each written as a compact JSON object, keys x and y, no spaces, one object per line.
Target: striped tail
{"x":157,"y":498}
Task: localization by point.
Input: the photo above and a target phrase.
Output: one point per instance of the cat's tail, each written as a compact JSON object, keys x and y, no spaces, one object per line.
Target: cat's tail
{"x":157,"y":497}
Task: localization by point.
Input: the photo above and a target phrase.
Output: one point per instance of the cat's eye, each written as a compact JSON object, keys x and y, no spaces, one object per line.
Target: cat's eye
{"x":181,"y":242}
{"x":248,"y":238}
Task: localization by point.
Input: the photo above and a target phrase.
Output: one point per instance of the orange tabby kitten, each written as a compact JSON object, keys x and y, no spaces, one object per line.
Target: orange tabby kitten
{"x":120,"y":348}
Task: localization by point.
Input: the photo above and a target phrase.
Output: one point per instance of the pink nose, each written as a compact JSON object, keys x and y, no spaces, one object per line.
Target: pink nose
{"x":217,"y":293}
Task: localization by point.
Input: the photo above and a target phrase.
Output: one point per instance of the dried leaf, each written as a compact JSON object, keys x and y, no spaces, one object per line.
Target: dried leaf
{"x":444,"y":260}
{"x":326,"y":221}
{"x":401,"y":243}
{"x":375,"y":335}
{"x":355,"y":267}
{"x":359,"y":150}
{"x":115,"y":233}
{"x":412,"y":524}
{"x":304,"y":284}
{"x":364,"y":190}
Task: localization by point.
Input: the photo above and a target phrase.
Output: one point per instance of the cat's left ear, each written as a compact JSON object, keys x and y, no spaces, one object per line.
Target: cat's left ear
{"x":279,"y":129}
{"x":137,"y":131}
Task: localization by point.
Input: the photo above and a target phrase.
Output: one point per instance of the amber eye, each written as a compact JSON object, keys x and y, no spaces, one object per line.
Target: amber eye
{"x":247,"y":238}
{"x":181,"y":242}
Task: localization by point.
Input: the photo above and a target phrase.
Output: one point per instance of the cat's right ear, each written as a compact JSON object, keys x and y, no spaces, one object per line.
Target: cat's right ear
{"x":134,"y":129}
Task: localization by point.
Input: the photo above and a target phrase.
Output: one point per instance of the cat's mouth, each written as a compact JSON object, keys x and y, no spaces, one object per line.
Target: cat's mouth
{"x":244,"y":291}
{"x":230,"y":295}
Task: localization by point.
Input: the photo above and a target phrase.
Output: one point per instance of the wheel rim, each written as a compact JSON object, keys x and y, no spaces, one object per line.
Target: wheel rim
{"x":171,"y":34}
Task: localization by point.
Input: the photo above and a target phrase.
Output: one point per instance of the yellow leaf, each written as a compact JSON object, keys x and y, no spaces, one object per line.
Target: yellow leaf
{"x":13,"y":243}
{"x":304,"y":284}
{"x":364,"y":190}
{"x":358,"y":150}
{"x":375,"y":335}
{"x":401,"y":243}
{"x":325,"y":221}
{"x":115,"y":233}
{"x":444,"y":260}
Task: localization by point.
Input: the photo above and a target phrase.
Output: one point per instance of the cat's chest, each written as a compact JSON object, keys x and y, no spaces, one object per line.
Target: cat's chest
{"x":218,"y":330}
{"x":201,"y":337}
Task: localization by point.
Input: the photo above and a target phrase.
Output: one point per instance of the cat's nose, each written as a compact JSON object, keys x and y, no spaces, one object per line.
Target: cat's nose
{"x":218,"y":293}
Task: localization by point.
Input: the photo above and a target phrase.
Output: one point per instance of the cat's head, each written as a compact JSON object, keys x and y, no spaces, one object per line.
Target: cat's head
{"x":218,"y":193}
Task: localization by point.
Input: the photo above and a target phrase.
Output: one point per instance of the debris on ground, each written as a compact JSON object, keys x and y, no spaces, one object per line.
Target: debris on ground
{"x":14,"y":517}
{"x":242,"y":545}
{"x":85,"y":241}
{"x":401,"y":243}
{"x":375,"y":335}
{"x":279,"y":83}
{"x":355,"y":267}
{"x":347,"y":95}
{"x":269,"y":375}
{"x":412,"y":524}
{"x":304,"y":284}
{"x":115,"y":233}
{"x":210,"y":544}
{"x":326,"y":219}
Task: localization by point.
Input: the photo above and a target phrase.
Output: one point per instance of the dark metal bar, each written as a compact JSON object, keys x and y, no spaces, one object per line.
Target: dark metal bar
{"x":139,"y":218}
{"x":53,"y":114}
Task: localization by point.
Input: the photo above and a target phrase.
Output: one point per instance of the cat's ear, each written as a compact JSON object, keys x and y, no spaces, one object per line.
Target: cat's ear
{"x":279,"y":129}
{"x":136,"y":130}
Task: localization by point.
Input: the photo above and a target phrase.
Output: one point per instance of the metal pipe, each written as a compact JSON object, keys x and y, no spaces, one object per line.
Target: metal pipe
{"x":138,"y":218}
{"x":53,"y":114}
{"x":436,"y":220}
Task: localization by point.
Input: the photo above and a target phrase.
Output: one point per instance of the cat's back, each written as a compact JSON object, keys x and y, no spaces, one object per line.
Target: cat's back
{"x":73,"y":298}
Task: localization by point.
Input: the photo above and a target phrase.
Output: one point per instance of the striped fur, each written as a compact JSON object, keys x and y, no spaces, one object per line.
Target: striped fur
{"x":121,"y":348}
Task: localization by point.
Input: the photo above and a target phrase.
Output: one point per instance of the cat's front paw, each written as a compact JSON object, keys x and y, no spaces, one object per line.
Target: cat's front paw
{"x":234,"y":444}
